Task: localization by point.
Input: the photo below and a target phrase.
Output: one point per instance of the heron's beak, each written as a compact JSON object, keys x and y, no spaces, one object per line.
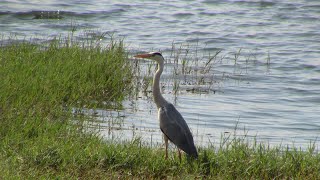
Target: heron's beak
{"x":142,"y":56}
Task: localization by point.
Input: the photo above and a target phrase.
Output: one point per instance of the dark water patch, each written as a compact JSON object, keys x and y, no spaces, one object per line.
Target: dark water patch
{"x":292,"y":4}
{"x":112,"y":11}
{"x":258,"y":24}
{"x":5,"y":13}
{"x":297,"y":91}
{"x":200,"y":33}
{"x":61,"y":14}
{"x":101,"y":14}
{"x":42,"y":14}
{"x":315,"y":81}
{"x":262,"y":113}
{"x":288,"y":8}
{"x":211,"y":13}
{"x":312,"y":99}
{"x":298,"y":66}
{"x":144,"y":17}
{"x":302,"y":127}
{"x":261,"y":4}
{"x":68,"y":27}
{"x":212,"y":49}
{"x":126,"y":6}
{"x":281,"y":16}
{"x":315,"y":6}
{"x":220,"y":40}
{"x":307,"y":67}
{"x":305,"y":82}
{"x":183,"y":15}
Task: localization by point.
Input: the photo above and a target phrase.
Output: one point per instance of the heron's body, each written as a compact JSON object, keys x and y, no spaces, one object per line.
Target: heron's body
{"x":176,"y":129}
{"x":172,"y":124}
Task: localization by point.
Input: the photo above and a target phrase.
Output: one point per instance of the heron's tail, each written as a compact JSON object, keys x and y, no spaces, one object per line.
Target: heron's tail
{"x":192,"y":151}
{"x":194,"y":154}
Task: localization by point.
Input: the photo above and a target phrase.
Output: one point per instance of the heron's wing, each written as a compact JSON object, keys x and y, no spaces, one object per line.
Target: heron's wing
{"x":176,"y":129}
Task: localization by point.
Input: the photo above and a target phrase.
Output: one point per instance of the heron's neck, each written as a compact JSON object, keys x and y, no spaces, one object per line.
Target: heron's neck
{"x":158,"y":98}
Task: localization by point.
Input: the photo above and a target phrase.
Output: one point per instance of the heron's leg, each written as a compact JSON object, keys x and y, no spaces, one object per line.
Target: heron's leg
{"x":166,"y":143}
{"x":179,"y":154}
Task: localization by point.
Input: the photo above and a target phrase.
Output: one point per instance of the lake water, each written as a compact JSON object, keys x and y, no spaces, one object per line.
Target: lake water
{"x":272,"y":91}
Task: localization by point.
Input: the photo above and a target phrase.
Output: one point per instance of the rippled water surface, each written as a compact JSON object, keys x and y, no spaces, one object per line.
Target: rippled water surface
{"x":273,"y":90}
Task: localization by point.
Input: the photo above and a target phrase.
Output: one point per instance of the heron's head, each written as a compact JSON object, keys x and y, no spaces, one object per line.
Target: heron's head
{"x":156,"y":56}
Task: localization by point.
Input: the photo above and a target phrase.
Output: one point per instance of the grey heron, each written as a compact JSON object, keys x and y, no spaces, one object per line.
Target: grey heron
{"x":172,"y":124}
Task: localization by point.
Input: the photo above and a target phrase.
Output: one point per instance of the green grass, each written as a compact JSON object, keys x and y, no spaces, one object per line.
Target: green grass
{"x":62,"y":75}
{"x":40,"y":137}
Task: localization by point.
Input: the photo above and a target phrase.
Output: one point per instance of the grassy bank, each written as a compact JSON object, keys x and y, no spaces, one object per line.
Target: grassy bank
{"x":40,"y":137}
{"x":40,"y":87}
